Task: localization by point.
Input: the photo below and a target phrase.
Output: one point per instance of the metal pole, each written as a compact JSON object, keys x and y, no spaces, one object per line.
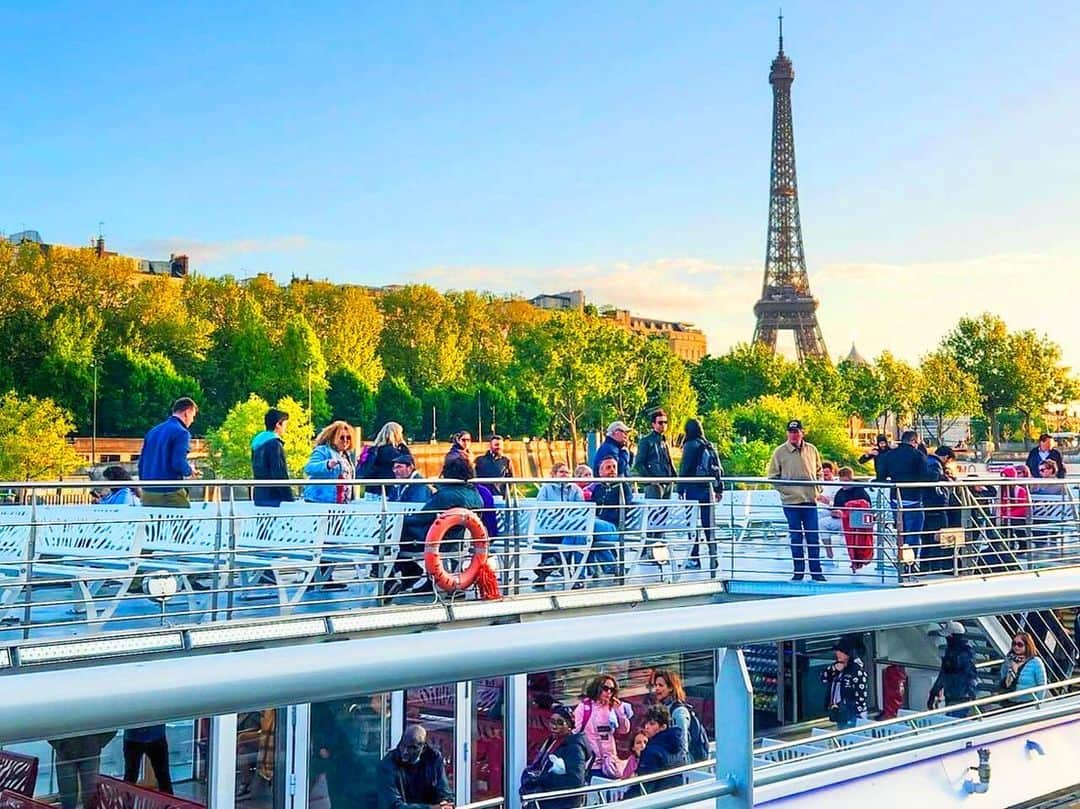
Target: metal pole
{"x":93,"y":434}
{"x":515,"y":731}
{"x":221,"y":790}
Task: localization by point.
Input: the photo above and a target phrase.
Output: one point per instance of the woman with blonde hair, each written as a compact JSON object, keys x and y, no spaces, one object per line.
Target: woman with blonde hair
{"x":376,"y":462}
{"x":331,"y":459}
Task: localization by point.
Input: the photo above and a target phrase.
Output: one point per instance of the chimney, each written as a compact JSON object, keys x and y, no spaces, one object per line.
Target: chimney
{"x":99,"y":246}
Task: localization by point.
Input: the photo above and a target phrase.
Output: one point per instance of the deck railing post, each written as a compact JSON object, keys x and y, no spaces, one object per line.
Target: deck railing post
{"x":733,"y":704}
{"x":31,"y":550}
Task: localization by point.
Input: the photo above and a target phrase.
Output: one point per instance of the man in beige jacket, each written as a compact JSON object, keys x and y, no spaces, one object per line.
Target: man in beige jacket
{"x":798,"y":459}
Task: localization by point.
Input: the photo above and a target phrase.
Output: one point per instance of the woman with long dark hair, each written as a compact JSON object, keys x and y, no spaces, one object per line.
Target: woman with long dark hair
{"x":697,"y":454}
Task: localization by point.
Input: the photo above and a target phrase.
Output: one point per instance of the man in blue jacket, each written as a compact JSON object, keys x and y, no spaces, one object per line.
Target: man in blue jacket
{"x":614,"y":446}
{"x":164,"y":456}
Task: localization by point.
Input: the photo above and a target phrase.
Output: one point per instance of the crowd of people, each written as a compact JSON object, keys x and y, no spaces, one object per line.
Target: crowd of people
{"x":817,"y":507}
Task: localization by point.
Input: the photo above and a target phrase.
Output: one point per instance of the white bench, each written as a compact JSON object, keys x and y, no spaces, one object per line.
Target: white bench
{"x":551,"y":523}
{"x":86,"y":547}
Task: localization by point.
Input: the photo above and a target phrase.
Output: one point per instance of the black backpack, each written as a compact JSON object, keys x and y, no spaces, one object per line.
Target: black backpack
{"x":697,"y":739}
{"x":708,"y":466}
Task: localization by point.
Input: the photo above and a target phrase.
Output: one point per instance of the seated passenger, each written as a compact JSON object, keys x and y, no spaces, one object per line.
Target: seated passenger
{"x":1022,"y":668}
{"x":119,"y":495}
{"x":583,"y":472}
{"x":664,"y":750}
{"x":404,"y":468}
{"x":612,"y":500}
{"x":558,"y":492}
{"x":637,"y":747}
{"x":561,"y":763}
{"x":828,"y":524}
{"x":456,"y":493}
{"x":413,"y":775}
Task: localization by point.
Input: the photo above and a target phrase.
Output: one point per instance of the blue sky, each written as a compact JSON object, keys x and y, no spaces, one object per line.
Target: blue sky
{"x":622,"y":148}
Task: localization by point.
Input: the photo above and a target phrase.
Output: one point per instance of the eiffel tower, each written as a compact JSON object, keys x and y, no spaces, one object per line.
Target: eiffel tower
{"x":786,"y":302}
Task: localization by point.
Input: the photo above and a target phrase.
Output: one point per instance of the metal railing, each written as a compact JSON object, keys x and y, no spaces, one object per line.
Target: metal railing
{"x":77,"y":568}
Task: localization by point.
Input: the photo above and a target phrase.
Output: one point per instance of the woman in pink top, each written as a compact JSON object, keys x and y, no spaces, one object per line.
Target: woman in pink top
{"x":600,"y":716}
{"x":1014,"y":510}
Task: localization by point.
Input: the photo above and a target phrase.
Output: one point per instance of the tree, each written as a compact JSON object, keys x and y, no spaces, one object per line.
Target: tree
{"x":765,"y":419}
{"x":421,"y":340}
{"x":981,"y":347}
{"x":300,"y":368}
{"x":900,"y":386}
{"x":33,"y":439}
{"x":136,"y":391}
{"x":350,"y":399}
{"x":816,"y":379}
{"x":230,"y":443}
{"x":396,"y":402}
{"x":865,"y":396}
{"x":348,"y":323}
{"x":746,"y":372}
{"x":1040,"y":376}
{"x":948,"y":391}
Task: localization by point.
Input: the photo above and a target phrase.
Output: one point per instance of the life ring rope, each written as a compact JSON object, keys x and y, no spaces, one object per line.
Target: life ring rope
{"x":477,"y":571}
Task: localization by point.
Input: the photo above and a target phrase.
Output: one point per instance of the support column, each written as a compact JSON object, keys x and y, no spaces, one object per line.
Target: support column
{"x":733,"y":700}
{"x":463,"y":754}
{"x":515,"y":731}
{"x":397,"y":717}
{"x":299,"y":751}
{"x":221,"y":789}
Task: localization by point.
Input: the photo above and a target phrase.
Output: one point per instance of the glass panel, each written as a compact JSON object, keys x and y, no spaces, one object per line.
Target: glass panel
{"x":433,"y":707}
{"x":165,"y":758}
{"x":260,"y":740}
{"x":567,"y":686}
{"x":488,"y":739}
{"x":348,"y":738}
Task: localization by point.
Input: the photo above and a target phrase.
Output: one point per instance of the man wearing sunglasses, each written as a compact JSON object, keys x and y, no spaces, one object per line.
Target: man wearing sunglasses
{"x":654,"y":458}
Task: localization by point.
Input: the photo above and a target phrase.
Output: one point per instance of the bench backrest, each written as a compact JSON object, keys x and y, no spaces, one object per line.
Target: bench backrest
{"x":18,"y":772}
{"x":671,"y":515}
{"x":13,"y":800}
{"x":14,"y":533}
{"x":181,"y":530}
{"x":112,"y":793}
{"x":562,"y":519}
{"x":270,"y":529}
{"x":1050,"y":507}
{"x":89,"y":532}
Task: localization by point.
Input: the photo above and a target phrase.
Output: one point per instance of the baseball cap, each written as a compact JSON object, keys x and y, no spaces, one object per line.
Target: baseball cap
{"x":405,"y":458}
{"x":794,"y":424}
{"x":615,"y":426}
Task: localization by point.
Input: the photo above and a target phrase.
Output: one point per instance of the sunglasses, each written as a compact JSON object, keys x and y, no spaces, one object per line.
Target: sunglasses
{"x":1019,"y":644}
{"x":345,"y":437}
{"x":607,"y":688}
{"x":557,"y":721}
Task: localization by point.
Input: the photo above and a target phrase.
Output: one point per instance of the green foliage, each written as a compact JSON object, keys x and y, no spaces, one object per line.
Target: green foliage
{"x":746,"y":372}
{"x":947,"y":391}
{"x":33,"y":439}
{"x":395,"y":402}
{"x":135,"y":391}
{"x":351,"y":399}
{"x":748,"y":459}
{"x":230,"y":443}
{"x":765,"y":420}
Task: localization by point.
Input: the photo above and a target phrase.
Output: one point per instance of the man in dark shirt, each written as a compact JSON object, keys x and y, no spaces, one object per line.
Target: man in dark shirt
{"x":906,"y":464}
{"x":1045,"y":450}
{"x":654,"y":458}
{"x":493,"y":464}
{"x":164,"y":456}
{"x":268,"y":460}
{"x":413,"y":775}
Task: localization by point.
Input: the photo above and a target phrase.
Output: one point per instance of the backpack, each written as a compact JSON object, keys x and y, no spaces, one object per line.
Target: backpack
{"x":708,"y":466}
{"x":697,"y":741}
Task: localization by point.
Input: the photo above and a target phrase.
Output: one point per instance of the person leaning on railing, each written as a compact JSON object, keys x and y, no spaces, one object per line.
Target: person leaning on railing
{"x":562,"y":762}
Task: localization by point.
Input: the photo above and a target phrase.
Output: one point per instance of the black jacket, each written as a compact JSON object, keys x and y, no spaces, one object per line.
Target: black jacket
{"x":415,"y":787}
{"x":663,"y":752}
{"x":653,"y":459}
{"x":905,"y":464}
{"x":609,"y":448}
{"x":691,"y":457}
{"x":574,"y":752}
{"x":382,"y":466}
{"x":611,"y":500}
{"x":1054,"y":455}
{"x":853,"y":686}
{"x":958,"y":677}
{"x":488,"y":466}
{"x":447,"y":495}
{"x":268,"y":463}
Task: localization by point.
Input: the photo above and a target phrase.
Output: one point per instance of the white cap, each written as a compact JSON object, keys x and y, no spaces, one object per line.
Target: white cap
{"x":955,"y":628}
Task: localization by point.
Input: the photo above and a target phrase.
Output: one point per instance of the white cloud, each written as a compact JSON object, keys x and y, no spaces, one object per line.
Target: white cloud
{"x":209,"y":252}
{"x":905,"y":308}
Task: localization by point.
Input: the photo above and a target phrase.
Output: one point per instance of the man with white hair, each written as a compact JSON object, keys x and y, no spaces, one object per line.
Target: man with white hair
{"x":615,"y":446}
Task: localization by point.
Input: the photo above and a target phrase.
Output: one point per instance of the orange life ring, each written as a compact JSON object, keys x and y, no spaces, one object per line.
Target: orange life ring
{"x":477,"y":571}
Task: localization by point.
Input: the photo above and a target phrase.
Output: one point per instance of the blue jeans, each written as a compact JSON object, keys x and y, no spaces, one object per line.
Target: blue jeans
{"x":604,"y":533}
{"x":802,"y":523}
{"x":911,"y":524}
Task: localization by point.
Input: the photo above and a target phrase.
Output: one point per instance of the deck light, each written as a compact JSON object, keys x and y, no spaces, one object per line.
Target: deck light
{"x":255,"y":632}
